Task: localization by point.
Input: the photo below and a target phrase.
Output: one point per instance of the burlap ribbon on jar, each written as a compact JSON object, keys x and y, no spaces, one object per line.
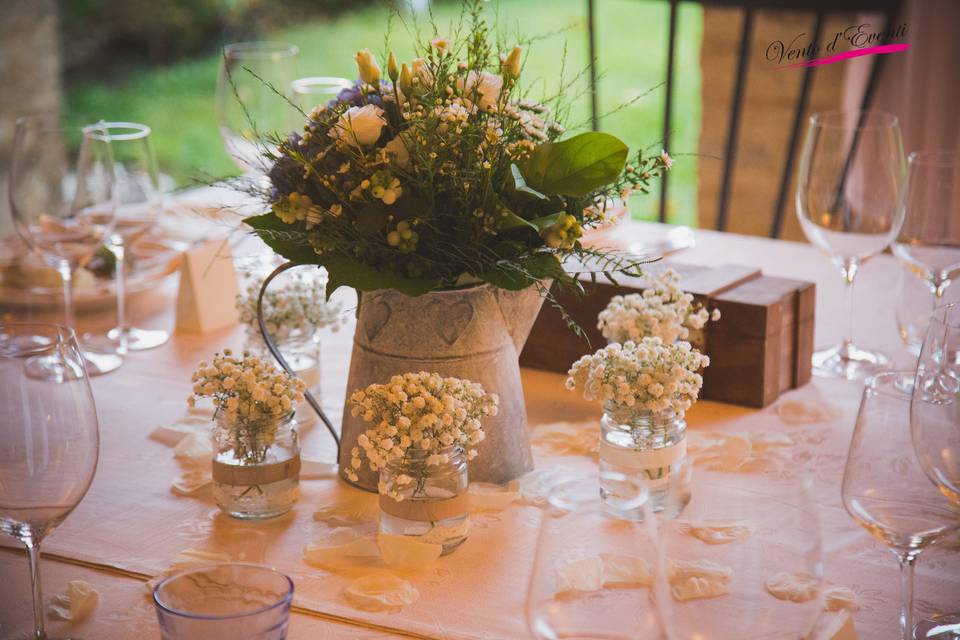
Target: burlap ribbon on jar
{"x":426,"y":510}
{"x":260,"y":474}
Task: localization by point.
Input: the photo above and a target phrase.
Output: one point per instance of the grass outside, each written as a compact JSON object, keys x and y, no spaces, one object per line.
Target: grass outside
{"x":177,"y":100}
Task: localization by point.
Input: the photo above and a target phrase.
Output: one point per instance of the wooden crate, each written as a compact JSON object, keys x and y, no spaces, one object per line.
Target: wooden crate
{"x":760,"y":347}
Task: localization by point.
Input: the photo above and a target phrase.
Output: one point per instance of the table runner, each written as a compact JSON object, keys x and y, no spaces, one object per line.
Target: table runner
{"x":130,"y":519}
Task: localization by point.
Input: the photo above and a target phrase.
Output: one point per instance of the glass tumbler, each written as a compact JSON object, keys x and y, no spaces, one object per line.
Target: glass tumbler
{"x":224,"y":602}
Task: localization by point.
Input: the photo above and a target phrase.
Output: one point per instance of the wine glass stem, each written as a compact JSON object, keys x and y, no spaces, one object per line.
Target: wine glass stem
{"x":849,"y":272}
{"x":907,"y":561}
{"x":119,"y":251}
{"x":66,"y":275}
{"x":33,"y":554}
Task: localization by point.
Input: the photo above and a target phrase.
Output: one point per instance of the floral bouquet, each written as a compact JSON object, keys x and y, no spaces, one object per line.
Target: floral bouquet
{"x":648,"y":374}
{"x":662,"y":311}
{"x":420,"y":412}
{"x":443,"y":173}
{"x":251,"y":398}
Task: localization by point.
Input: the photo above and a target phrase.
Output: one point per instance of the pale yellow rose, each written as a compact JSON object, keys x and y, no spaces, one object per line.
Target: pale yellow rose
{"x":359,"y":126}
{"x":485,"y":86}
{"x":398,"y":152}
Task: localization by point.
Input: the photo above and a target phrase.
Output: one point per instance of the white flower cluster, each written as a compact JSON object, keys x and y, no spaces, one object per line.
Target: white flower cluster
{"x":662,"y":311}
{"x":649,"y":374}
{"x":421,"y":412}
{"x":246,"y":390}
{"x":294,"y":303}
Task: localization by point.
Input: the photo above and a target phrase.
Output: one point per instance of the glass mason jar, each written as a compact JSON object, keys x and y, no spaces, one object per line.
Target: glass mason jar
{"x":651,"y":445}
{"x":429,"y":502}
{"x":256,"y":467}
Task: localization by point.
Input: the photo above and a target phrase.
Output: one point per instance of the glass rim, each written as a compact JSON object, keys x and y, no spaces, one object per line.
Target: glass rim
{"x":59,"y":334}
{"x":934,"y":157}
{"x":841,"y":119}
{"x":285,"y":600}
{"x":304,"y":85}
{"x":102,"y":130}
{"x":261,"y":49}
{"x":893,"y":384}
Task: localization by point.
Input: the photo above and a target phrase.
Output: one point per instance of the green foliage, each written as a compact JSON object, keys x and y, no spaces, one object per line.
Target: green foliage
{"x":576,"y":166}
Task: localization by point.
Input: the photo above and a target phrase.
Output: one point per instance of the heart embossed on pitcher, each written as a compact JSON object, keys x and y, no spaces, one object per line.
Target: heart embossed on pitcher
{"x":376,"y":318}
{"x":449,"y":321}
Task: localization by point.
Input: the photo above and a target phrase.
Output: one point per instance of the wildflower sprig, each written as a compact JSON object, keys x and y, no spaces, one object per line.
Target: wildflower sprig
{"x":663,"y":311}
{"x":648,"y":374}
{"x":419,"y":412}
{"x":439,"y":172}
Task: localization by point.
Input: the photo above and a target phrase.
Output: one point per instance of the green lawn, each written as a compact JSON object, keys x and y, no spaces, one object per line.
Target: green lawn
{"x":177,"y":100}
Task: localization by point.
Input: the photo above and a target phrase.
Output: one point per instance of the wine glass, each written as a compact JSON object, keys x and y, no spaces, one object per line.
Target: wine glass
{"x":849,"y":202}
{"x":929,"y":241}
{"x":254,"y":80}
{"x":136,"y":185}
{"x":594,"y":569}
{"x":730,"y":554}
{"x":63,"y":204}
{"x":316,"y":90}
{"x":884,"y":487}
{"x":49,"y":441}
{"x":935,"y":422}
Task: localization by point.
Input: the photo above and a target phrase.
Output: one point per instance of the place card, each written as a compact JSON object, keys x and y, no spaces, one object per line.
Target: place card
{"x":208,"y":288}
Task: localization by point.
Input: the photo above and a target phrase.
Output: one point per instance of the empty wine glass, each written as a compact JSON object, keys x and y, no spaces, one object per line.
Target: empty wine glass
{"x":136,"y":186}
{"x":254,"y":79}
{"x":929,"y":242}
{"x":49,"y":439}
{"x":593,"y":573}
{"x":884,"y":487}
{"x":850,"y":205}
{"x":63,"y":204}
{"x":733,"y":556}
{"x":935,"y":427}
{"x":316,"y":90}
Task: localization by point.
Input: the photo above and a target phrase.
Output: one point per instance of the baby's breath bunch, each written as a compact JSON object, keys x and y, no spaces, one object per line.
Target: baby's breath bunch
{"x":295,"y":304}
{"x":662,"y":311}
{"x":419,"y":412}
{"x":249,"y":394}
{"x":648,"y":374}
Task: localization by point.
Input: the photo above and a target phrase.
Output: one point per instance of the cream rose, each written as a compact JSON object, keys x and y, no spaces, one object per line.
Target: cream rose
{"x":485,"y":85}
{"x":359,"y":126}
{"x":397,"y":151}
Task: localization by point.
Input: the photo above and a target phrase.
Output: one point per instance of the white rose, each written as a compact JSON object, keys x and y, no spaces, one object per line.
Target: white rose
{"x":397,"y":150}
{"x":359,"y":126}
{"x":484,"y":85}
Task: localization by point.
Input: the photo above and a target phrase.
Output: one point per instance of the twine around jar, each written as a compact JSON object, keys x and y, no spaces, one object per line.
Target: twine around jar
{"x":275,"y":352}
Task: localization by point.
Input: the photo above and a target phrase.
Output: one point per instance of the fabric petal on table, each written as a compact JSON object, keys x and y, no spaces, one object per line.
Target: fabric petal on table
{"x":357,"y":507}
{"x":380,"y":592}
{"x":195,"y":449}
{"x":836,"y":598}
{"x":192,"y":481}
{"x":406,"y":553}
{"x":795,"y":587}
{"x":719,"y":452}
{"x":718,"y":531}
{"x":583,"y":575}
{"x":344,"y":548}
{"x":187,"y":559}
{"x":623,"y":572}
{"x":316,"y":470}
{"x":78,"y":602}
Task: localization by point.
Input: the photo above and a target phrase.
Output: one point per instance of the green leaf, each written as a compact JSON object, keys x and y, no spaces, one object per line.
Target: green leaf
{"x":576,"y":166}
{"x":347,"y":272}
{"x":520,"y":185}
{"x":513,"y":221}
{"x":272,"y":230}
{"x":529,"y":270}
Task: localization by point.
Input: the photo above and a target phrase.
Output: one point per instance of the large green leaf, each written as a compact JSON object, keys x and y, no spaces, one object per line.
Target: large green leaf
{"x":347,"y":272}
{"x":275,"y":233}
{"x":576,"y":166}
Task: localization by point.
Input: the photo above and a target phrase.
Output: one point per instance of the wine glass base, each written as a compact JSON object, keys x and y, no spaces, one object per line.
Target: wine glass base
{"x":141,"y":339}
{"x":101,"y":363}
{"x":848,"y":362}
{"x":944,"y":627}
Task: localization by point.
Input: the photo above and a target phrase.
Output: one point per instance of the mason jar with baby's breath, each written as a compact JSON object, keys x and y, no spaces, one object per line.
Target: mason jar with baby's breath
{"x":646,"y":388}
{"x":256,"y":463}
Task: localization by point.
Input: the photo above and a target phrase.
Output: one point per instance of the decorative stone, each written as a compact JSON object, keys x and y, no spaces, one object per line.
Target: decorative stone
{"x":475,"y":333}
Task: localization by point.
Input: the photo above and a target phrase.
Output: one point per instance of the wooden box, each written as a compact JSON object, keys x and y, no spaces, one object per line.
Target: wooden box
{"x":760,"y":347}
